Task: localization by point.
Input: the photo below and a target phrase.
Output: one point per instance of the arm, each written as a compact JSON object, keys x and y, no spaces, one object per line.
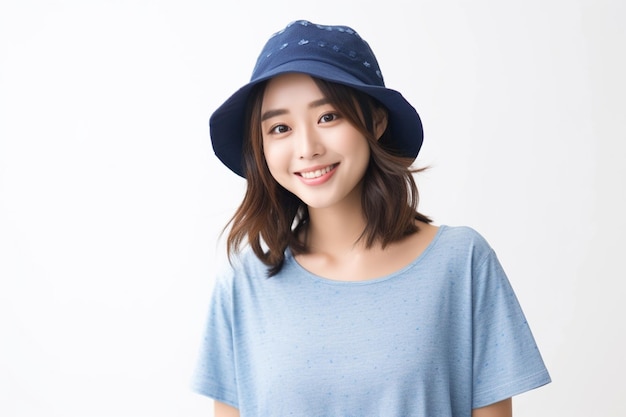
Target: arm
{"x":225,"y":410}
{"x":500,"y":409}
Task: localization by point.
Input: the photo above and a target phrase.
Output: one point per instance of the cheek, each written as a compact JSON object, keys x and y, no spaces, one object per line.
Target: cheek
{"x":358,"y":148}
{"x":276,"y":157}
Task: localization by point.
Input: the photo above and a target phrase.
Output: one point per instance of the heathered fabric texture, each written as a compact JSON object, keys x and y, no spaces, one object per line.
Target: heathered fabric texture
{"x":441,"y":336}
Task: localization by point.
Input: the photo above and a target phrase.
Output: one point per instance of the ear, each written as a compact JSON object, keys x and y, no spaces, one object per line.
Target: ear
{"x":380,"y":121}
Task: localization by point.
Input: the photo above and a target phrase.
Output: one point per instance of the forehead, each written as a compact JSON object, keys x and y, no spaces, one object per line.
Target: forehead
{"x":291,"y":88}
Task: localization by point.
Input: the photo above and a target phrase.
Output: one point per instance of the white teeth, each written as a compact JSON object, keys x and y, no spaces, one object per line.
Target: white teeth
{"x":317,"y":173}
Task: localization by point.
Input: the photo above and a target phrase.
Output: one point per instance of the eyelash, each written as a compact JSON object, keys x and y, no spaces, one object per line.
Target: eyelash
{"x":275,"y":129}
{"x":335,"y":116}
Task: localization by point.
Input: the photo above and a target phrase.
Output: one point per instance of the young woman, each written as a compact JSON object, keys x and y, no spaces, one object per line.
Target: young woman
{"x":348,"y":301}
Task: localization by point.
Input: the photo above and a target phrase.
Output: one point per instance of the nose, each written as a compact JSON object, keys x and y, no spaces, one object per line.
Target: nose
{"x":308,"y":144}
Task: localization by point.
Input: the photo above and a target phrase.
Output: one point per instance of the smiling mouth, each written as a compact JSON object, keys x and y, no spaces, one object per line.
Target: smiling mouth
{"x":317,"y":173}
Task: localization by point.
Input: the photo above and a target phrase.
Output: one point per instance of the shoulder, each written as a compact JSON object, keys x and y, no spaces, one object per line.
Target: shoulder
{"x":463,"y":235}
{"x":462,"y":242}
{"x":246,"y":262}
{"x":241,"y":266}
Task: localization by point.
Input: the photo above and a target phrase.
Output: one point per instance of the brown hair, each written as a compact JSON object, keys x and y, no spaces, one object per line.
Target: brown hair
{"x":271,"y":218}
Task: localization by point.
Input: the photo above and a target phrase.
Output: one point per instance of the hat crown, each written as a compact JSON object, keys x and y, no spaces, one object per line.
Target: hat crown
{"x":339,"y":46}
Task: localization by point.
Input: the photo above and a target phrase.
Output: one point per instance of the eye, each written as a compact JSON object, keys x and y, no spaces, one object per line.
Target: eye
{"x":329,"y":117}
{"x":279,"y":129}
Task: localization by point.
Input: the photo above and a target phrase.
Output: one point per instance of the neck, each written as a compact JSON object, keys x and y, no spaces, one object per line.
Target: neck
{"x":336,"y":229}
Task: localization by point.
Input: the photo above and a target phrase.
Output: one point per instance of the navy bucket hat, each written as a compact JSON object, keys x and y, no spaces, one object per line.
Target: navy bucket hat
{"x":333,"y":53}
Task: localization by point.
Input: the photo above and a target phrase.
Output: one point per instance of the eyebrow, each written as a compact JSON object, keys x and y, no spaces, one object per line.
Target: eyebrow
{"x":278,"y":112}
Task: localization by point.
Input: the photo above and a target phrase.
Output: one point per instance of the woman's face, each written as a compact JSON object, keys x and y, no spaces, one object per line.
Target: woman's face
{"x":310,"y":149}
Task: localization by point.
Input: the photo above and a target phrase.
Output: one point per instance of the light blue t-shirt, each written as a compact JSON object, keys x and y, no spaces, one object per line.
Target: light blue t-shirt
{"x":441,"y":336}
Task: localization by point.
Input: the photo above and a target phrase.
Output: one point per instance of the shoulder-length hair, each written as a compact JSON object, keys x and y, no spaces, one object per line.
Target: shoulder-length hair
{"x":271,"y":219}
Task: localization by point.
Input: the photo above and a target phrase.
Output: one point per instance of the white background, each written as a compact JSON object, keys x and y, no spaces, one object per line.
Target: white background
{"x":111,"y":200}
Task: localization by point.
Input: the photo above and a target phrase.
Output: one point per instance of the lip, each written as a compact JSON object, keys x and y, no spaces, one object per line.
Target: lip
{"x":322,"y":176}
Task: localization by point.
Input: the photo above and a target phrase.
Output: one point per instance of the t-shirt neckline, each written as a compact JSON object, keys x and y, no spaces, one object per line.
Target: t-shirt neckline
{"x":310,"y":275}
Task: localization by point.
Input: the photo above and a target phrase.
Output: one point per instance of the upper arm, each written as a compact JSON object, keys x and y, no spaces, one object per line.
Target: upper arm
{"x":502,"y":408}
{"x":225,"y":410}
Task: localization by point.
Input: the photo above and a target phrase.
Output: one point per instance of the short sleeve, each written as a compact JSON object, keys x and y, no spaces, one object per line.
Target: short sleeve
{"x":506,"y":360}
{"x":215,"y":370}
